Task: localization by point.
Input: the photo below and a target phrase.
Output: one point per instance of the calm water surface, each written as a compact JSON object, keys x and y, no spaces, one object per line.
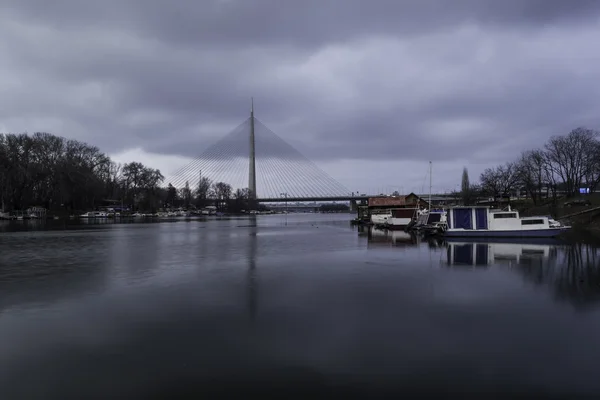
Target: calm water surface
{"x":158,"y":310}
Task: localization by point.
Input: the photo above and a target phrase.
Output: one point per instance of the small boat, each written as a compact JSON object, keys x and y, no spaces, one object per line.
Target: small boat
{"x":6,"y":216}
{"x":380,"y":219}
{"x":482,"y":221}
{"x":400,"y":219}
{"x":94,"y":214}
{"x":428,"y":220}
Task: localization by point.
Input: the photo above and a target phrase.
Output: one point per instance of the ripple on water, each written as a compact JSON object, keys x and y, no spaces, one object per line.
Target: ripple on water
{"x":155,"y":307}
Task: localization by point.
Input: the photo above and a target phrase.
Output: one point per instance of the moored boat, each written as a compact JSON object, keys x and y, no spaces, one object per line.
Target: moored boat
{"x":401,"y":218}
{"x":482,"y":221}
{"x":380,"y":219}
{"x":94,"y":214}
{"x":428,"y":220}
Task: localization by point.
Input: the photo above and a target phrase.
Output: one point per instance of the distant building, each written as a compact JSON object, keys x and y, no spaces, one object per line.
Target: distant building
{"x":409,"y":201}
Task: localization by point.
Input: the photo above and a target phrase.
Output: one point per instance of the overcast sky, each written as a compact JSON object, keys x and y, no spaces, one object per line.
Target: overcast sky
{"x":369,"y":90}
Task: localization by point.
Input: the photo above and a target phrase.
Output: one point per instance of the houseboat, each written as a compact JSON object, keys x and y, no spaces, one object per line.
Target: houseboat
{"x":482,"y":221}
{"x":395,"y":212}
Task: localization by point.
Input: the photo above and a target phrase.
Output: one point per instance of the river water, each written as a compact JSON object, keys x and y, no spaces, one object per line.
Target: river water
{"x":300,"y":302}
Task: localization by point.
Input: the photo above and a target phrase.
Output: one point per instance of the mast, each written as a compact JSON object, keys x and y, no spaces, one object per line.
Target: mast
{"x":252,"y":167}
{"x":430,"y":185}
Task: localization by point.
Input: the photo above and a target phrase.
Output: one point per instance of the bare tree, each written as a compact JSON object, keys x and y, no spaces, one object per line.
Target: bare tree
{"x":202,"y":192}
{"x":186,"y":194}
{"x":223,"y":193}
{"x":532,"y":173}
{"x":501,"y":180}
{"x":573,"y":157}
{"x":171,"y":195}
{"x":60,"y":174}
{"x":592,"y":174}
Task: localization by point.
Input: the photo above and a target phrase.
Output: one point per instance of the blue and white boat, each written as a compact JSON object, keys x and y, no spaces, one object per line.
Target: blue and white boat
{"x":482,"y":221}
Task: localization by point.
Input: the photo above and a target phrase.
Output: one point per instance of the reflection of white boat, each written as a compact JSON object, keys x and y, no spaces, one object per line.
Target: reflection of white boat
{"x":482,"y":221}
{"x":391,"y":236}
{"x":468,"y":253}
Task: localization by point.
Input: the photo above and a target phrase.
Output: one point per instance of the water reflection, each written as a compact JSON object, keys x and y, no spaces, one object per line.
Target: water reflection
{"x":166,"y":308}
{"x":378,"y":237}
{"x":571,"y":270}
{"x":485,"y":254}
{"x":44,"y":267}
{"x":251,"y":274}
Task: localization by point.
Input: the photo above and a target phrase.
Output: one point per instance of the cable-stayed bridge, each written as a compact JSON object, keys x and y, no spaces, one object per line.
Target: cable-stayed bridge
{"x":254,"y":157}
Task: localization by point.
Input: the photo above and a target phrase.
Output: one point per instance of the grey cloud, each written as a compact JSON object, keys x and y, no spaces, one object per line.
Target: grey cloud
{"x":465,"y":78}
{"x":310,"y":22}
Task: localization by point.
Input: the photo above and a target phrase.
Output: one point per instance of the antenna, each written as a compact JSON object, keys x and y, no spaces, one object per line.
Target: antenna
{"x":430,"y":169}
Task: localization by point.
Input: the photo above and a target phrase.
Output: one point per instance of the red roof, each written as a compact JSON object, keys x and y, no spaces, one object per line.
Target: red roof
{"x":387,"y":201}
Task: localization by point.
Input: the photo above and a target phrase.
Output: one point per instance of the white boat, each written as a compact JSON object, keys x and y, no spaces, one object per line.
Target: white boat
{"x":380,"y":219}
{"x":94,"y":214}
{"x":401,"y":218}
{"x":429,"y":218}
{"x":482,"y":221}
{"x":212,"y":210}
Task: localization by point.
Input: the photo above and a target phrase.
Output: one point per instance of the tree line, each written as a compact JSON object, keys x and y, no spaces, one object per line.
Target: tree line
{"x":561,"y":166}
{"x":44,"y":170}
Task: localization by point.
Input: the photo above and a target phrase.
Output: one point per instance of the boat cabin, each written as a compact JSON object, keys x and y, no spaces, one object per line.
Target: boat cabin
{"x":484,"y":218}
{"x":431,"y":217}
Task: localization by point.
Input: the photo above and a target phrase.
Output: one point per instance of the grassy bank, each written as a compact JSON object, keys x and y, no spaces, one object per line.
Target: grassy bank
{"x":588,"y":222}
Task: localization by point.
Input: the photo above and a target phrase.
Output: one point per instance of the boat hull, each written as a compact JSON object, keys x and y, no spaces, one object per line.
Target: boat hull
{"x":380,"y":218}
{"x":529,"y":233}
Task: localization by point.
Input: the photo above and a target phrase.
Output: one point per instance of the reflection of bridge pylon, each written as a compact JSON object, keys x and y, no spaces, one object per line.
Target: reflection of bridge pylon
{"x":251,"y":274}
{"x":265,"y":164}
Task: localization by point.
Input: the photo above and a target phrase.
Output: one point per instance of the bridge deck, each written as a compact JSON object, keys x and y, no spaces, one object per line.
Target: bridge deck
{"x":340,"y":198}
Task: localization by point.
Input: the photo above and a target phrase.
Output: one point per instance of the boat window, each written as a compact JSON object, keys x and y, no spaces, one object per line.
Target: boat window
{"x":531,"y":252}
{"x":532,"y":221}
{"x":505,"y":215}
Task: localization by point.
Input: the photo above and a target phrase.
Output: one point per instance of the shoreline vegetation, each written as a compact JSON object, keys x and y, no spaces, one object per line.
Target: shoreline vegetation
{"x":67,"y":177}
{"x":547,"y":181}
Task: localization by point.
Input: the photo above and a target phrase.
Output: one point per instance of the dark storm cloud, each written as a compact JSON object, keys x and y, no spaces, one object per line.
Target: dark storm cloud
{"x":307,"y":23}
{"x":338,"y":79}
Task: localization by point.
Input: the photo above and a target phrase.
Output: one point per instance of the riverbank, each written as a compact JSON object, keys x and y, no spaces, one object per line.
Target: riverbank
{"x":585,"y":219}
